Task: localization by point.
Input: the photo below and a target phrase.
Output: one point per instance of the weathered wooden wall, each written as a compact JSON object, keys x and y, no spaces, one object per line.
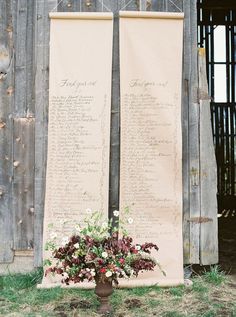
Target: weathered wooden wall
{"x":24,"y":67}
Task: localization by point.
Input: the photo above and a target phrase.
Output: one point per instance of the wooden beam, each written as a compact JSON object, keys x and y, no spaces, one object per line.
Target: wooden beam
{"x":24,"y":48}
{"x":23,"y":184}
{"x":42,"y":8}
{"x":185,"y":131}
{"x":6,"y":105}
{"x":194,"y":135}
{"x":208,"y":172}
{"x":142,"y":5}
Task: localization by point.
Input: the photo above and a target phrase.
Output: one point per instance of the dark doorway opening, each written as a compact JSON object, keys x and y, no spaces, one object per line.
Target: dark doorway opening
{"x":217,"y":34}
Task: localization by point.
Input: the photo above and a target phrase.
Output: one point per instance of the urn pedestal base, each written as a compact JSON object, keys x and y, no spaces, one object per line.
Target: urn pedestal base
{"x":103,"y":290}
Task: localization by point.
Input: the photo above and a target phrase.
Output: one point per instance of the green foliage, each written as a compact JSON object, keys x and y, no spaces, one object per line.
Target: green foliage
{"x":21,"y":281}
{"x":152,"y":303}
{"x":20,"y":297}
{"x":199,"y":285}
{"x":177,"y":291}
{"x":215,"y":276}
{"x":209,"y":313}
{"x":172,"y":314}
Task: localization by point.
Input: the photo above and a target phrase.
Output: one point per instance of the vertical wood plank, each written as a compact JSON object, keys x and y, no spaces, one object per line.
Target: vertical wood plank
{"x":185,"y":131}
{"x":70,"y":5}
{"x":208,"y":172}
{"x":127,"y":5}
{"x":6,"y":104}
{"x":142,"y":5}
{"x":88,"y":6}
{"x":23,"y":184}
{"x":24,"y":47}
{"x":194,"y":150}
{"x":154,"y":5}
{"x":161,"y":5}
{"x":42,"y":8}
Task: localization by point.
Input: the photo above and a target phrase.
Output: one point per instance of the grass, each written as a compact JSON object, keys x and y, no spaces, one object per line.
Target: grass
{"x":211,"y":295}
{"x":215,"y":276}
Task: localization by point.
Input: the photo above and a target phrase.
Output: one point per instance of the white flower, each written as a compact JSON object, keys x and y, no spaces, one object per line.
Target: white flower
{"x":65,"y":275}
{"x":74,"y":256}
{"x":87,"y":269}
{"x":104,"y":255}
{"x":137,"y":247}
{"x":116,"y":213}
{"x":53,"y":235}
{"x":108,"y":274}
{"x":88,"y":211}
{"x":130,"y":220}
{"x":64,"y":241}
{"x":93,"y":273}
{"x":80,"y":275}
{"x":77,"y":228}
{"x":76,"y":245}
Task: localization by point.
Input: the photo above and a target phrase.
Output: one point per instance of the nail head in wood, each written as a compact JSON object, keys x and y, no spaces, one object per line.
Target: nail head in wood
{"x":31,"y":210}
{"x":16,"y":163}
{"x":88,"y":3}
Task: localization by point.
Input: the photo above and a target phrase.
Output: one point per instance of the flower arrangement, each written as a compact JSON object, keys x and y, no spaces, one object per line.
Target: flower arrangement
{"x":99,"y":252}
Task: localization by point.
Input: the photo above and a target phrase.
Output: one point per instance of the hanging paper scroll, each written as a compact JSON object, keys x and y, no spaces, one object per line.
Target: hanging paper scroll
{"x":79,"y":119}
{"x":151,"y":138}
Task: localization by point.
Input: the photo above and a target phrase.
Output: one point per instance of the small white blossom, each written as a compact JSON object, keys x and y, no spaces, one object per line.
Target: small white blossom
{"x":137,"y":247}
{"x":77,"y":228}
{"x":76,"y":245}
{"x":130,"y":220}
{"x":93,"y":273}
{"x":108,"y":274}
{"x":116,"y":213}
{"x":104,"y":255}
{"x":65,"y":275}
{"x":80,"y":275}
{"x":88,"y":211}
{"x":53,"y":235}
{"x":64,"y":241}
{"x":74,"y":256}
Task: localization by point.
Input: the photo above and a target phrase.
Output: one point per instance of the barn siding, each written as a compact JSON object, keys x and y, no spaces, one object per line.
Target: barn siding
{"x":23,"y":183}
{"x":6,"y":131}
{"x":41,"y":65}
{"x":24,"y":95}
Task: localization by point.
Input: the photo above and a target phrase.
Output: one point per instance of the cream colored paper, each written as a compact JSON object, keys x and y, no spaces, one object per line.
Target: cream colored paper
{"x":151,"y":148}
{"x":79,"y":119}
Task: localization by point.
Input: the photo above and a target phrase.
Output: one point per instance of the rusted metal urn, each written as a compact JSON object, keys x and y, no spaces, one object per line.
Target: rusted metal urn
{"x":103,"y":290}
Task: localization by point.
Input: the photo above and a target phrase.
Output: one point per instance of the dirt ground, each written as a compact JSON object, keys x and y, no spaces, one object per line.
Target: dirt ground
{"x":227,"y":245}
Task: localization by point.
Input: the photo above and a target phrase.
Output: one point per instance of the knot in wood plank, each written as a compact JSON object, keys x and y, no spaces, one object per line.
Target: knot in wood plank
{"x":2,"y":124}
{"x":10,"y":90}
